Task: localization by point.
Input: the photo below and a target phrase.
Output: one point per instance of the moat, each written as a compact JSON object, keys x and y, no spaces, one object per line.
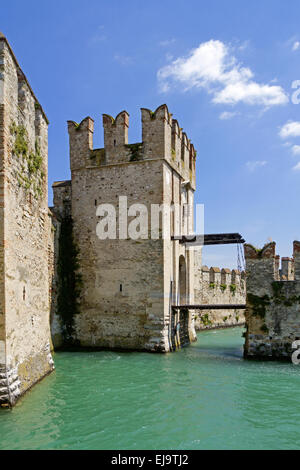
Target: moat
{"x":203,"y":397}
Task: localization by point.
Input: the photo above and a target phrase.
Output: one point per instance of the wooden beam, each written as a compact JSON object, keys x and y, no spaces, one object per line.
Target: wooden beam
{"x":210,"y":307}
{"x":210,"y":239}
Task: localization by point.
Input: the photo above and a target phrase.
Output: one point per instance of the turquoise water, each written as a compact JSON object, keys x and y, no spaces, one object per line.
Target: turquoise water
{"x":203,"y":397}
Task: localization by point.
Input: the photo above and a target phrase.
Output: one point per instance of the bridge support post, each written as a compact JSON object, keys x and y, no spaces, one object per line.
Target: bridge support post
{"x":181,"y":331}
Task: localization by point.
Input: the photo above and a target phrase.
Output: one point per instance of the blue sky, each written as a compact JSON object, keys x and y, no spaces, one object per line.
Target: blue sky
{"x":225,"y":70}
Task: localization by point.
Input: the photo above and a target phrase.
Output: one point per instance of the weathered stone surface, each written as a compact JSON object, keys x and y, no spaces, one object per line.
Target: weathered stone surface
{"x":273,"y":305}
{"x":24,"y":285}
{"x":218,"y":286}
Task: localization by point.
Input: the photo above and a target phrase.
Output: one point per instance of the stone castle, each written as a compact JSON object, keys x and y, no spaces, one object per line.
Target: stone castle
{"x":128,"y":285}
{"x":63,"y":286}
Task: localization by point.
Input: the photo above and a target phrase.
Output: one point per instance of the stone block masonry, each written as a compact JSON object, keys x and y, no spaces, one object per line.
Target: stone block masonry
{"x":218,"y":286}
{"x":273,"y":303}
{"x":25,"y":355}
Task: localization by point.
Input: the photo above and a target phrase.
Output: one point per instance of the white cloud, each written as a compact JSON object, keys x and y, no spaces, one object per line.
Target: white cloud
{"x":123,"y":60}
{"x":296,"y":46}
{"x":169,"y":57}
{"x":227,"y":115}
{"x":211,"y":66}
{"x":244,"y":45}
{"x":290,"y":129}
{"x":99,"y":36}
{"x":296,"y":150}
{"x":252,"y":166}
{"x":251,"y":93}
{"x":297,"y":167}
{"x":167,"y":42}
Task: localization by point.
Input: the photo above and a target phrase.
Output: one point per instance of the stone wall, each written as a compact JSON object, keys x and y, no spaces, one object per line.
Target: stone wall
{"x":219,"y":286}
{"x":129,"y":285}
{"x":62,"y":191}
{"x":24,"y":319}
{"x":273,"y":303}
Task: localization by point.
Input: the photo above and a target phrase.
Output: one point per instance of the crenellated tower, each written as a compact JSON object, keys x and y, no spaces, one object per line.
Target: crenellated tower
{"x":130,"y":284}
{"x":81,"y":142}
{"x":115,"y":136}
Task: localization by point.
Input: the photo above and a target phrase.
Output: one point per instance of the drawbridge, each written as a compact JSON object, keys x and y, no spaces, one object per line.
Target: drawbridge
{"x":180,"y":318}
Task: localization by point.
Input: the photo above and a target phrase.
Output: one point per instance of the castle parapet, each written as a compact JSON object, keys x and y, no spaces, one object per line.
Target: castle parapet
{"x":162,"y":138}
{"x":260,"y":266}
{"x":219,"y":287}
{"x":225,"y":276}
{"x":185,"y":151}
{"x":81,"y":142}
{"x":157,"y":132}
{"x":192,"y":160}
{"x":176,"y":143}
{"x":205,"y":273}
{"x":236,"y":277}
{"x":115,"y":136}
{"x":296,"y":255}
{"x":287,"y":269}
{"x":215,"y":275}
{"x":263,"y":265}
{"x":277,"y":266}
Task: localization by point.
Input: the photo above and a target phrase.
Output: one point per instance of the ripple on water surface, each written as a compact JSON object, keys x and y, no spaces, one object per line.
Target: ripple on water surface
{"x":203,"y":397}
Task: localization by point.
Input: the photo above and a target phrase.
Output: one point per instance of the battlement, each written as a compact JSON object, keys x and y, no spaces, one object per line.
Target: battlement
{"x":287,"y":271}
{"x":221,"y":286}
{"x":267,"y":261}
{"x":115,"y":136}
{"x":223,"y":277}
{"x":81,"y":142}
{"x":162,"y":138}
